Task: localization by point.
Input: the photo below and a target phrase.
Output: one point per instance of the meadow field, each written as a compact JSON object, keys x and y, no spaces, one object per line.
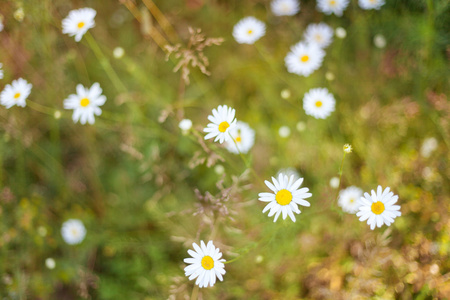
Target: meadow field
{"x":120,"y":154}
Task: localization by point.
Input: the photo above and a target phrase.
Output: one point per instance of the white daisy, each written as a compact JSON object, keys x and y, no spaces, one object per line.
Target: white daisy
{"x":15,"y":93}
{"x":223,"y":122}
{"x":1,"y":71}
{"x":285,"y":7}
{"x":185,"y":125}
{"x":288,"y":172}
{"x":78,"y":22}
{"x":318,"y":103}
{"x":73,"y":231}
{"x":371,"y":4}
{"x":349,"y":199}
{"x":321,"y":34}
{"x":285,"y":197}
{"x":336,"y":7}
{"x":304,"y":58}
{"x":244,"y":138}
{"x":205,"y":265}
{"x":85,"y":103}
{"x":249,"y":30}
{"x":378,"y":208}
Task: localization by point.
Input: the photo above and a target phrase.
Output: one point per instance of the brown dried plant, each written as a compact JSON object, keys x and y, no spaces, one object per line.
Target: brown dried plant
{"x":192,"y":55}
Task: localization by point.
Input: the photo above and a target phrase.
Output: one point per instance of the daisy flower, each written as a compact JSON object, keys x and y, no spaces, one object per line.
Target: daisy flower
{"x":286,"y":196}
{"x":73,"y":231}
{"x":205,"y":265}
{"x":15,"y":93}
{"x":85,"y":103}
{"x":185,"y":125}
{"x":222,"y":122}
{"x":336,"y":7}
{"x":78,"y":22}
{"x":285,"y":7}
{"x":249,"y":30}
{"x":1,"y":71}
{"x":319,"y":103}
{"x":378,"y":208}
{"x":349,"y":199}
{"x":304,"y":59}
{"x":321,"y":34}
{"x":371,"y":4}
{"x":244,"y":138}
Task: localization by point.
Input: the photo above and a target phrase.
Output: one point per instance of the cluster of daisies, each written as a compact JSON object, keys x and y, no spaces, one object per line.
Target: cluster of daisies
{"x":87,"y":101}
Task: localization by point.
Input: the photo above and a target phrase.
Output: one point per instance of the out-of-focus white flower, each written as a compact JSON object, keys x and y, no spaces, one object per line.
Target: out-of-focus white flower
{"x":319,"y":103}
{"x":118,"y":52}
{"x":284,"y":131}
{"x":16,"y":93}
{"x":285,"y":94}
{"x":50,"y":263}
{"x":285,"y":197}
{"x":329,"y":76}
{"x":340,"y":32}
{"x":334,"y":182}
{"x":243,"y":138}
{"x":379,"y":41}
{"x":85,"y":103}
{"x":349,"y":199}
{"x":347,"y":148}
{"x":371,"y":4}
{"x":285,"y":7}
{"x":219,"y":169}
{"x":19,"y":14}
{"x":289,"y":172}
{"x":303,"y":59}
{"x":78,"y":22}
{"x":57,"y":114}
{"x":249,"y":30}
{"x":301,"y":126}
{"x":378,"y":208}
{"x":336,"y":7}
{"x":320,"y":33}
{"x":206,"y":264}
{"x":185,"y":125}
{"x":1,"y":70}
{"x":73,"y":231}
{"x":429,"y":145}
{"x":222,"y":121}
{"x":42,"y":231}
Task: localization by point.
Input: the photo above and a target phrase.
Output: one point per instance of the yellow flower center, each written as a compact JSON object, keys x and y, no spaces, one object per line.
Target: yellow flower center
{"x":84,"y":102}
{"x":249,"y":31}
{"x":377,"y":207}
{"x":304,"y":58}
{"x":318,"y":37}
{"x":332,"y":2}
{"x":283,"y":197}
{"x":352,"y":200}
{"x":207,"y":262}
{"x":319,"y":103}
{"x":17,"y":95}
{"x":223,"y":126}
{"x":74,"y":231}
{"x":80,"y":25}
{"x":238,"y":139}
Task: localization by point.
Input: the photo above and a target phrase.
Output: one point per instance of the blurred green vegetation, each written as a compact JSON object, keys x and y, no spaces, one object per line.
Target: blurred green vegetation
{"x":131,"y":177}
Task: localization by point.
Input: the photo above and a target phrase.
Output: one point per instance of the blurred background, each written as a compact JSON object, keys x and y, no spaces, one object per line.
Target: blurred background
{"x":146,"y":191}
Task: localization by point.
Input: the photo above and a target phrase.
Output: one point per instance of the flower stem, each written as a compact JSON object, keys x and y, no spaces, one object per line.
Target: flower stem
{"x":194,"y":295}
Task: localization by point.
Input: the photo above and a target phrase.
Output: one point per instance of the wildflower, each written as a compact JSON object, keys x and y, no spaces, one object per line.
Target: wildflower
{"x":1,"y":71}
{"x":348,"y":148}
{"x":285,"y":197}
{"x":285,"y":94}
{"x":15,"y":93}
{"x":78,"y":22}
{"x":429,"y":145}
{"x":85,"y":103}
{"x":118,"y":52}
{"x":19,"y":14}
{"x":334,"y":182}
{"x":205,"y":265}
{"x":243,"y":138}
{"x":284,"y":131}
{"x":185,"y":125}
{"x":289,"y":172}
{"x":371,"y":4}
{"x":285,"y":7}
{"x":319,"y":103}
{"x":340,"y":32}
{"x":378,"y":208}
{"x":301,"y":126}
{"x":336,"y":7}
{"x":222,"y":121}
{"x":50,"y":263}
{"x":303,"y":59}
{"x":349,"y":199}
{"x":329,"y":76}
{"x":379,"y":41}
{"x":249,"y":30}
{"x":73,"y":231}
{"x":320,"y":33}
